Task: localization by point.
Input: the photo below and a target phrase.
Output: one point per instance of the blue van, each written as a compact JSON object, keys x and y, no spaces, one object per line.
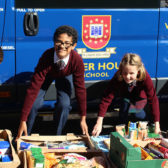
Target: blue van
{"x":106,"y":29}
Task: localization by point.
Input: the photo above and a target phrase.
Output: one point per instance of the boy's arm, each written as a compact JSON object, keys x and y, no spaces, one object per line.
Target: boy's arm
{"x":79,"y":84}
{"x":80,"y":92}
{"x":35,"y":85}
{"x":22,"y":129}
{"x":84,"y":126}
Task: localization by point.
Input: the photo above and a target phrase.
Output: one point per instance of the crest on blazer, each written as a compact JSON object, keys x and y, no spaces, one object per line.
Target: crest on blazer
{"x":96,"y":30}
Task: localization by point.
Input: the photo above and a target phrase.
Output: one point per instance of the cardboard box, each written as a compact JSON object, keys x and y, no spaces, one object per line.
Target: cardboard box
{"x":89,"y":155}
{"x":38,"y":140}
{"x":7,"y":135}
{"x":124,"y":155}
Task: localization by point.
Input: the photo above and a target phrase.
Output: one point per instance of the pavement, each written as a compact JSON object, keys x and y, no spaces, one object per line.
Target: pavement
{"x":44,"y":125}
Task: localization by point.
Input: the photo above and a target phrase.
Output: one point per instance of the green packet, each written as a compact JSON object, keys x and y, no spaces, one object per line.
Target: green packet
{"x":39,"y":158}
{"x":153,"y":135}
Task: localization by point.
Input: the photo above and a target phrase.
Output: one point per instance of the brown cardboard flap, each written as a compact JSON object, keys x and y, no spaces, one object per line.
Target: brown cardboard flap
{"x":50,"y":138}
{"x":40,"y":141}
{"x":7,"y":135}
{"x":35,"y":135}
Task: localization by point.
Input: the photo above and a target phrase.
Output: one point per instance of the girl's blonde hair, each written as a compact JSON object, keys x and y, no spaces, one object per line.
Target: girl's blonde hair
{"x":135,"y":60}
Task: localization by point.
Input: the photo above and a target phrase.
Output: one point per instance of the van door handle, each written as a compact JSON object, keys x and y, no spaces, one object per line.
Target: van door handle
{"x":31,"y":23}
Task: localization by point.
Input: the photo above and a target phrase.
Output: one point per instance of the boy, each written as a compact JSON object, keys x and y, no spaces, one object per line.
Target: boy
{"x":62,"y":64}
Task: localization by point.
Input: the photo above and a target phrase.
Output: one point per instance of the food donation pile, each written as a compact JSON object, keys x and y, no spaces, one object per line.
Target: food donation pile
{"x":60,"y":151}
{"x":130,"y":145}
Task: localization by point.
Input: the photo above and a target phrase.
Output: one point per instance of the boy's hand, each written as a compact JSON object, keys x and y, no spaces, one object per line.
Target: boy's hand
{"x":98,"y":127}
{"x":22,"y":128}
{"x":84,"y":126}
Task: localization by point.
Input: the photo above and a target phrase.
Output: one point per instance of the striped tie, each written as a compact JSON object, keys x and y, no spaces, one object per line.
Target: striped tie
{"x":60,"y":64}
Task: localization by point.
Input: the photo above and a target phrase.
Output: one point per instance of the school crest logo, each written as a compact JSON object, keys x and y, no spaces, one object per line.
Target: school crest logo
{"x":96,"y":30}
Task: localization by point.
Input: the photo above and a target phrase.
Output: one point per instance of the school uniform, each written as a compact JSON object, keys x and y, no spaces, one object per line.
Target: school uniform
{"x":65,"y":78}
{"x":134,"y":98}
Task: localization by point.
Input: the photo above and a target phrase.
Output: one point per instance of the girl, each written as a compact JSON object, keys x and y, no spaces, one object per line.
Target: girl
{"x":134,"y":86}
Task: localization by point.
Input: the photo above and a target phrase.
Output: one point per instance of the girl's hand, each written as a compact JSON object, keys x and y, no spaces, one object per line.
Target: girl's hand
{"x":98,"y":127}
{"x":157,"y":127}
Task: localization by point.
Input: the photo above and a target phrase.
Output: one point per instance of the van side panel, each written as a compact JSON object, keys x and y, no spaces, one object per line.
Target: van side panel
{"x":125,"y":30}
{"x":162,"y":70}
{"x":2,"y":11}
{"x":7,"y":67}
{"x":131,"y":31}
{"x":105,"y":35}
{"x":163,"y":44}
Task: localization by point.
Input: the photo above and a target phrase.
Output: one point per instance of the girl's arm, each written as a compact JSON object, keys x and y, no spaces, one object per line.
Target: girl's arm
{"x":108,"y":96}
{"x":157,"y":127}
{"x":153,"y":102}
{"x":98,"y":127}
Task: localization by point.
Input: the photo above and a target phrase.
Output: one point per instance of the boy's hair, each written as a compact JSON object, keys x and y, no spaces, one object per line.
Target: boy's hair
{"x":70,"y":31}
{"x":135,"y":60}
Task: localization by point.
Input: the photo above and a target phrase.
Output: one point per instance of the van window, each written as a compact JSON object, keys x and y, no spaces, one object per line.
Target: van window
{"x":87,"y":4}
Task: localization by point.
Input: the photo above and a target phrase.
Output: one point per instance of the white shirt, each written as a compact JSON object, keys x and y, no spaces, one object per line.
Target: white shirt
{"x":66,"y":59}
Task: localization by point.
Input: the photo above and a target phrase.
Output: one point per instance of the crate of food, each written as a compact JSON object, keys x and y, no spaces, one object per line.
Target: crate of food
{"x":150,"y":153}
{"x":61,"y":143}
{"x":8,"y":155}
{"x":68,"y":142}
{"x":45,"y":158}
